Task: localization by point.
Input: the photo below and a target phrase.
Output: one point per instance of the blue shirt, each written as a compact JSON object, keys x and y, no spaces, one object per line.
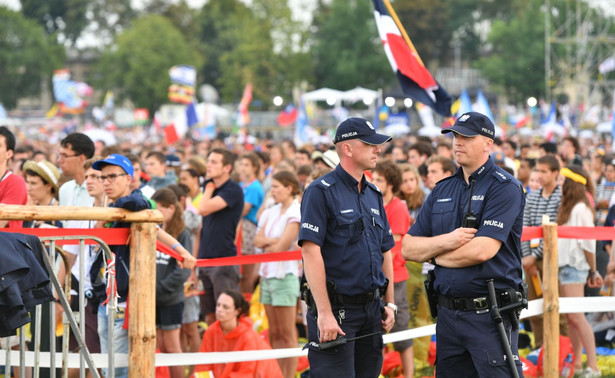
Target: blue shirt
{"x":219,"y":228}
{"x":351,"y":229}
{"x":253,"y":194}
{"x":497,"y":201}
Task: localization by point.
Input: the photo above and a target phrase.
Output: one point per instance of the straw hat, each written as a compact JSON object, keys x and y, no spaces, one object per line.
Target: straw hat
{"x":47,"y":171}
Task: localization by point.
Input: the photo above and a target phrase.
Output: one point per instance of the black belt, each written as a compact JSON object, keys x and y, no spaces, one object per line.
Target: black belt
{"x":479,"y":304}
{"x":358,"y":299}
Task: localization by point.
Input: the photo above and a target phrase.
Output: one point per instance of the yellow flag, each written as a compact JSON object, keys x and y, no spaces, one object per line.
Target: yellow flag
{"x":52,"y":112}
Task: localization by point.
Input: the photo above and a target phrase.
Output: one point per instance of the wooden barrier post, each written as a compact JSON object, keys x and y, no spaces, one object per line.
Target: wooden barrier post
{"x":142,"y":301}
{"x":550,"y":289}
{"x":142,"y":281}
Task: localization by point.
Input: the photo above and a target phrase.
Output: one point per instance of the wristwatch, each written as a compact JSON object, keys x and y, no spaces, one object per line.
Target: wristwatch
{"x":393,"y":306}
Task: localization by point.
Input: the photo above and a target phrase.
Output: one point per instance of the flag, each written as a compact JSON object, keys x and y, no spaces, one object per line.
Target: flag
{"x":191,"y":118}
{"x":170,"y":134}
{"x":482,"y":106}
{"x":607,"y":65}
{"x":301,"y":135}
{"x":183,"y":75}
{"x":613,"y":121}
{"x":414,"y":78}
{"x":157,"y":124}
{"x":243,"y":116}
{"x":141,"y":115}
{"x":426,"y":115}
{"x":523,"y":121}
{"x":465,"y":104}
{"x":53,"y":111}
{"x":3,"y":114}
{"x":288,"y":116}
{"x":108,"y":102}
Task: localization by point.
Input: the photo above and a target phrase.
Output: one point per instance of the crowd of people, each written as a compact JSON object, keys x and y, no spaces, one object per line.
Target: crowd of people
{"x":216,"y":196}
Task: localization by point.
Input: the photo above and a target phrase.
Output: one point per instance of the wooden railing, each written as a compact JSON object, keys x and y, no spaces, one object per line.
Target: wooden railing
{"x":142,"y":285}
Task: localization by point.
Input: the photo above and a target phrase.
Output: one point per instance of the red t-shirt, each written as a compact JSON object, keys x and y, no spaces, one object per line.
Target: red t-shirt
{"x":399,"y":220}
{"x":13,"y":192}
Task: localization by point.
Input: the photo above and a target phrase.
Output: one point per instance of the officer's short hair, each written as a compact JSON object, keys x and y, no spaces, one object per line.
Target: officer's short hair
{"x":551,"y":161}
{"x":391,"y":173}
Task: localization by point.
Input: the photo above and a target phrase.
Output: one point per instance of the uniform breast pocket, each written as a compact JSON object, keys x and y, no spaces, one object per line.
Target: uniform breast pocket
{"x":349,"y":229}
{"x":443,"y":217}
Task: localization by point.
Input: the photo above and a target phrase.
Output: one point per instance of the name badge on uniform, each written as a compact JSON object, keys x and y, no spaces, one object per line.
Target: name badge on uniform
{"x":444,"y":200}
{"x":346,"y":211}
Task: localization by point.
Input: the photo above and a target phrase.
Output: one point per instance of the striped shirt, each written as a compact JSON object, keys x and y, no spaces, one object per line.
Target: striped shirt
{"x":604,"y":192}
{"x":535,"y":206}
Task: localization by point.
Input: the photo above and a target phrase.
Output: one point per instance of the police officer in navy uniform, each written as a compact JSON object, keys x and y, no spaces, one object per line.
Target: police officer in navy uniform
{"x":466,"y":257}
{"x":346,"y":247}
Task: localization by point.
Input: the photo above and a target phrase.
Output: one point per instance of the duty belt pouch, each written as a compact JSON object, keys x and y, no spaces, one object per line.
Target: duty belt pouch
{"x":307,"y":297}
{"x":432,"y":296}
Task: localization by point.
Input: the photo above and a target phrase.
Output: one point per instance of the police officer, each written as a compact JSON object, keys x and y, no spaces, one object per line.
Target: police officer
{"x":346,"y":242}
{"x":491,"y":201}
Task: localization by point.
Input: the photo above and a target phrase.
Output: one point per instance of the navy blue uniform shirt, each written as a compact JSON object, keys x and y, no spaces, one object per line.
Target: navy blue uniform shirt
{"x":497,"y":202}
{"x":351,"y":229}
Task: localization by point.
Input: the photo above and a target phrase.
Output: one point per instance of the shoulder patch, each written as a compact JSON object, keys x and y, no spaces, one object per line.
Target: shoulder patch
{"x":374,"y":187}
{"x":500,"y":176}
{"x":325,"y":181}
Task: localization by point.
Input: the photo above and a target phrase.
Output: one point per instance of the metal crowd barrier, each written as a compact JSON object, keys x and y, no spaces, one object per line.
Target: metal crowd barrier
{"x":69,"y":322}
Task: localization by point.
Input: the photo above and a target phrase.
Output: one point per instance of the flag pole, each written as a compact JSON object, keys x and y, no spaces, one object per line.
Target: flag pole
{"x":402,"y":30}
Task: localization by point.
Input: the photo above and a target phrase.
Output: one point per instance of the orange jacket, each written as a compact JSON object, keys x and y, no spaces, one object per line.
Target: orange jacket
{"x":243,"y":337}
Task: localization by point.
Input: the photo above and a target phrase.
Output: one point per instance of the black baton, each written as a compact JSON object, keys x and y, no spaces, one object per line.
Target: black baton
{"x":497,"y":318}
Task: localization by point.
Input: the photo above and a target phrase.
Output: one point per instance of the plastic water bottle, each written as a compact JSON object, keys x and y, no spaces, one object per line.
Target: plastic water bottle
{"x":568,"y":367}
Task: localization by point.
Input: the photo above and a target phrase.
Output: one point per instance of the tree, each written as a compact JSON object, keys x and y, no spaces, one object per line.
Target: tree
{"x":346,"y":48}
{"x":238,"y":48}
{"x":22,"y":44}
{"x":515,"y":65}
{"x":58,"y":16}
{"x":139,"y":63}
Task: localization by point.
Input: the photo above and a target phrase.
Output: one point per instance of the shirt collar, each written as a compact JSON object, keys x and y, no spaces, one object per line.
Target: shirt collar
{"x":478,"y":174}
{"x":347,"y":179}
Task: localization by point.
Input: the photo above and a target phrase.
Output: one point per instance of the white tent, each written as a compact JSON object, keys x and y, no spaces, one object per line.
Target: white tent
{"x":359,"y":94}
{"x":323,"y":94}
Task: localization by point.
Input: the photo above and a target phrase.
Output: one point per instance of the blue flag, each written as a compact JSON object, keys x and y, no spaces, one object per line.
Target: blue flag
{"x":191,"y":118}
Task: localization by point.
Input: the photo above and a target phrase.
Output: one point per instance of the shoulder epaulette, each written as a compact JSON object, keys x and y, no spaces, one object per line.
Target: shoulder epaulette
{"x":501,"y":177}
{"x":325,"y":182}
{"x":374,"y":187}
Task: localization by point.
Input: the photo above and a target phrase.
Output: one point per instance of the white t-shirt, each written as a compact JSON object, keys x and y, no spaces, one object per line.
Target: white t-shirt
{"x":274,"y":225}
{"x":571,"y":251}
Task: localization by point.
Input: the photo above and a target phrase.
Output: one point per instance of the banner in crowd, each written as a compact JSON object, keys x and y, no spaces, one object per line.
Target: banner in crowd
{"x":183,"y":83}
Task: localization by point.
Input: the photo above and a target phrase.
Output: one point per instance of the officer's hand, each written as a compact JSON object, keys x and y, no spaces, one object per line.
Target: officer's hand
{"x":529,"y":265}
{"x":328,"y":327}
{"x":388,"y":319}
{"x":460,"y":236}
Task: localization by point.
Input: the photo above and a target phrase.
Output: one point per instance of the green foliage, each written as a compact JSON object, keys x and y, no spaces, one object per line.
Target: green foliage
{"x":346,"y":48}
{"x":141,"y":60}
{"x":515,"y":65}
{"x":65,"y":16}
{"x":27,"y":57}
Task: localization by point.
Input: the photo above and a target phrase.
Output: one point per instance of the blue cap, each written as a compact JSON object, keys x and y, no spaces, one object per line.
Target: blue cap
{"x":359,"y":128}
{"x":471,"y":124}
{"x":115,"y":159}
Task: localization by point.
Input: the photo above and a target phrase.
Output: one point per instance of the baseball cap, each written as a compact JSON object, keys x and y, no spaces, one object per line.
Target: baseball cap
{"x":471,"y":124}
{"x":359,"y":128}
{"x":173,"y":160}
{"x":115,"y":159}
{"x":498,"y":157}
